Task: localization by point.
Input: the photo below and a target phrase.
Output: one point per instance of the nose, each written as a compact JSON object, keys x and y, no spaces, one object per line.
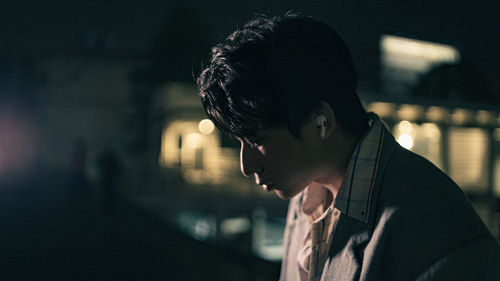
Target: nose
{"x":248,"y":160}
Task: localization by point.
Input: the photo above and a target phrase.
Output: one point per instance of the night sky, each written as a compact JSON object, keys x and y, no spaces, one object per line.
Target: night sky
{"x":56,"y":25}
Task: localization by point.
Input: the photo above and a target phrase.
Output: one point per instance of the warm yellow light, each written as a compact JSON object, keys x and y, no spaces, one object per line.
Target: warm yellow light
{"x":410,"y":112}
{"x":406,"y":141}
{"x":193,"y":140}
{"x":484,"y":117}
{"x":206,"y":126}
{"x":461,"y":116}
{"x":383,"y":109}
{"x":469,"y":154}
{"x":433,"y":52}
{"x":436,"y":114}
{"x":405,"y":127}
{"x":431,"y":131}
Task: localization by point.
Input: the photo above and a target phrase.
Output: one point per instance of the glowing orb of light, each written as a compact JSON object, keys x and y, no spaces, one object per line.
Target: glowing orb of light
{"x":405,"y":127}
{"x":206,"y":126}
{"x":405,"y":141}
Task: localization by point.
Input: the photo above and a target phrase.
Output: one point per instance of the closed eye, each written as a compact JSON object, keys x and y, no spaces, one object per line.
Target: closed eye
{"x":255,"y":143}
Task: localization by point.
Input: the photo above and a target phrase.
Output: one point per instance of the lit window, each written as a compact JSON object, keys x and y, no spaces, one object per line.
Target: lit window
{"x":406,"y":51}
{"x":496,"y":188}
{"x":405,"y":60}
{"x":497,"y":177}
{"x":468,"y":158}
{"x":424,"y":140}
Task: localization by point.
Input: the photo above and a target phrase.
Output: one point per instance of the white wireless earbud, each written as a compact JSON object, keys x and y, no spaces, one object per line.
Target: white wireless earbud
{"x":321,"y":123}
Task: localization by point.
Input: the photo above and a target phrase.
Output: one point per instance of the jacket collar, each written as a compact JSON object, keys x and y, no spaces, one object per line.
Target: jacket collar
{"x":359,"y":190}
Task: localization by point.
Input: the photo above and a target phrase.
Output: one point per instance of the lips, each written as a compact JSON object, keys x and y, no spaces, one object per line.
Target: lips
{"x":268,"y":186}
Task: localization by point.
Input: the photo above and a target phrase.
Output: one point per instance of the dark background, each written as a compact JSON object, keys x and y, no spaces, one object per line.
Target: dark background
{"x":47,"y":233}
{"x":472,"y":26}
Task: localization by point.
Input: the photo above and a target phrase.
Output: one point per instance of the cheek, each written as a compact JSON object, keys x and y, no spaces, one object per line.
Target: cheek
{"x":295,"y":171}
{"x":286,"y":162}
{"x":303,"y":171}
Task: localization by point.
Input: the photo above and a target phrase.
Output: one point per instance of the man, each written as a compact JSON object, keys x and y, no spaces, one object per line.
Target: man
{"x":362,"y":207}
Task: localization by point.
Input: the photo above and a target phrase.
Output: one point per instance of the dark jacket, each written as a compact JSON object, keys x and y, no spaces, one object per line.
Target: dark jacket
{"x":422,"y":227}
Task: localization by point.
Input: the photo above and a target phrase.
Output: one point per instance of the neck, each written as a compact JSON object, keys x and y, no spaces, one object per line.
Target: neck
{"x":342,"y":148}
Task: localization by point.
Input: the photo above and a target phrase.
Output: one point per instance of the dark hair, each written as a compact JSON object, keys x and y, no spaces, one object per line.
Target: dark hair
{"x":274,"y":72}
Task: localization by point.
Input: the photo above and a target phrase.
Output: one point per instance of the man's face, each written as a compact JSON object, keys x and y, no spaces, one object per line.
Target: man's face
{"x":278,"y":161}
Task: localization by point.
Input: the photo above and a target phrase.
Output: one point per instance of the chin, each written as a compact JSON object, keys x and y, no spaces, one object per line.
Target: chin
{"x":281,"y":195}
{"x":284,"y":195}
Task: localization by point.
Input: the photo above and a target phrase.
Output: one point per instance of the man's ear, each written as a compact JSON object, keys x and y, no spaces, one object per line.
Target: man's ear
{"x":325,"y":120}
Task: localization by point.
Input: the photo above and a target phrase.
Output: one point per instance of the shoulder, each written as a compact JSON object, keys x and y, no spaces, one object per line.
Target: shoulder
{"x":423,"y":216}
{"x":410,"y":180}
{"x":421,"y":193}
{"x":477,"y":258}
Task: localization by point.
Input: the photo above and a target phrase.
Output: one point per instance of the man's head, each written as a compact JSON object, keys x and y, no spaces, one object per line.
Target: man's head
{"x":278,"y":73}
